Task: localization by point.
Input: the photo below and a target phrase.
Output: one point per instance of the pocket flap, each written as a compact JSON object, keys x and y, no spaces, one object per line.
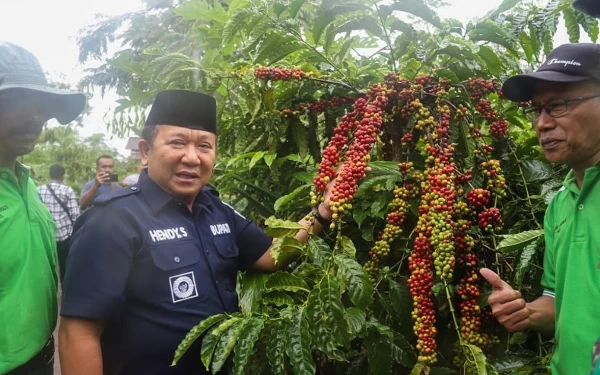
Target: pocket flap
{"x":226,"y":247}
{"x":175,"y":255}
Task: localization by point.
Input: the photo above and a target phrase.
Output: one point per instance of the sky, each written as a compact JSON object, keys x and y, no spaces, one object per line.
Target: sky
{"x":49,"y":30}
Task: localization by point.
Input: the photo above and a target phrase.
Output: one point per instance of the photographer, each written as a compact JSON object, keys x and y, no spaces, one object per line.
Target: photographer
{"x":105,"y":181}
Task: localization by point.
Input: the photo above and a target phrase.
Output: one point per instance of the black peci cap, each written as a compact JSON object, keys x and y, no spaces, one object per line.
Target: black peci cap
{"x":188,"y":109}
{"x":572,"y":62}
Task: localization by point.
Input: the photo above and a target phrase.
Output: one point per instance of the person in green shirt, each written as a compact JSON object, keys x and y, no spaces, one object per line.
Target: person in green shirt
{"x":565,"y":112}
{"x":28,"y":279}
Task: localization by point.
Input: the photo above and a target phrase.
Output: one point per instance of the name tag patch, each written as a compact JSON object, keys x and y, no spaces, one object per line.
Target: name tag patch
{"x":183,"y":287}
{"x":158,"y":235}
{"x":220,"y":229}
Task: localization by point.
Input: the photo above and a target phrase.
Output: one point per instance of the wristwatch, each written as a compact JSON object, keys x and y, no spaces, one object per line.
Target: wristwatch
{"x":324,"y":222}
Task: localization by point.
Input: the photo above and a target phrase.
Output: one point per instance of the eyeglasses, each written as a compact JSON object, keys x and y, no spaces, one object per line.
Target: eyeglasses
{"x":555,"y":108}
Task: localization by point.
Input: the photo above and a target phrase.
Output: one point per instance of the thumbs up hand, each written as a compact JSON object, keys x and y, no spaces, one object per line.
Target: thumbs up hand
{"x":508,"y":306}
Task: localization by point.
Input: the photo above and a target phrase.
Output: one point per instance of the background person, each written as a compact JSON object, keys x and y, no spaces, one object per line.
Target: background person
{"x":64,"y":208}
{"x":101,"y":184}
{"x":565,"y":110}
{"x":28,"y":280}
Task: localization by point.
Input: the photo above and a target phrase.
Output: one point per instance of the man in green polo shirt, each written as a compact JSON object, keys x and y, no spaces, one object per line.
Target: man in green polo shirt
{"x":565,"y":111}
{"x":28,"y":300}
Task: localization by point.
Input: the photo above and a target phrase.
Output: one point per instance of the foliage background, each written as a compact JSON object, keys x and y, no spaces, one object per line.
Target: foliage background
{"x":267,"y":157}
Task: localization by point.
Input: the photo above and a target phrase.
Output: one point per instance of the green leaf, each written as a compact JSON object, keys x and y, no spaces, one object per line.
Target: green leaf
{"x":252,"y":288}
{"x":527,"y":46}
{"x":299,"y":191}
{"x":477,"y":358}
{"x":194,"y":333}
{"x":325,"y":314}
{"x":276,"y":348}
{"x":572,"y":25}
{"x":420,"y":369}
{"x":418,"y":8}
{"x":234,"y":24}
{"x":285,"y":247}
{"x":356,"y":320}
{"x":284,"y":281}
{"x":379,"y":352}
{"x":401,"y":300}
{"x":255,"y":158}
{"x":245,"y":345}
{"x":278,"y":299}
{"x":364,"y":22}
{"x":492,"y":61}
{"x":269,"y":158}
{"x":328,"y":17}
{"x":379,"y":205}
{"x":506,"y":5}
{"x":308,"y":271}
{"x":490,"y":32}
{"x":402,"y":352}
{"x":516,"y":242}
{"x":280,"y":228}
{"x":298,"y":346}
{"x":211,"y":339}
{"x":536,"y":170}
{"x":319,"y":251}
{"x":348,"y":247}
{"x":360,"y":290}
{"x":276,"y":47}
{"x":295,"y":7}
{"x":524,"y":263}
{"x":226,"y":343}
{"x":589,"y":25}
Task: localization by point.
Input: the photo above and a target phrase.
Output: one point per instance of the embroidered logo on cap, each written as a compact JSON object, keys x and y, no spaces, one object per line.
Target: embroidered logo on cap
{"x":183,"y":287}
{"x":564,"y":62}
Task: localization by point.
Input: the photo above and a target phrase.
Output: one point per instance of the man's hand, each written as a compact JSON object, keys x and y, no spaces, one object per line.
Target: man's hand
{"x":101,"y":178}
{"x":508,"y":306}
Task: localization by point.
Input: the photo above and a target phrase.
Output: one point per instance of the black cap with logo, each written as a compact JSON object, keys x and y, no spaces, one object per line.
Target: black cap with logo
{"x":20,"y":70}
{"x":188,"y":109}
{"x":573,"y":62}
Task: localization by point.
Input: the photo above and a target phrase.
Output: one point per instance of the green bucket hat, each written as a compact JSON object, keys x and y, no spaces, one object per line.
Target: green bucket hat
{"x":19,"y":69}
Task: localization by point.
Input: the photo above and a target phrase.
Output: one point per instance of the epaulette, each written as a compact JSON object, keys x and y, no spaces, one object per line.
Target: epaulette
{"x":210,"y":190}
{"x":105,"y":198}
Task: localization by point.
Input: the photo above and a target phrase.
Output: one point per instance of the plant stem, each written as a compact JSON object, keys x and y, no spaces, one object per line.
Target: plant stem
{"x":387,"y":38}
{"x":514,"y":154}
{"x":452,"y":311}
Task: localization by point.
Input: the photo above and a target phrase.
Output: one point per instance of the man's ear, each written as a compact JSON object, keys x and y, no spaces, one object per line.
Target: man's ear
{"x":144,"y":150}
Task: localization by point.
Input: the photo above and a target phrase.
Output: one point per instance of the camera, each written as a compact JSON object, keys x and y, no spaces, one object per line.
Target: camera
{"x":113,"y":177}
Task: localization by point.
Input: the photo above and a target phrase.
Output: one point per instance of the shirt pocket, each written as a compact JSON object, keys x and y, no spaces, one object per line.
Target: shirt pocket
{"x":177,"y":274}
{"x":228,"y":256}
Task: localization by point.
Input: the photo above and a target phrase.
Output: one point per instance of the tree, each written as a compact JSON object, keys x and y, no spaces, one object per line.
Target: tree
{"x":442,"y":174}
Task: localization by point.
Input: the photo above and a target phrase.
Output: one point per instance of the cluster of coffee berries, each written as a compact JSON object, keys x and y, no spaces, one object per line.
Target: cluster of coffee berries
{"x":495,"y":179}
{"x":320,"y":106}
{"x":490,"y":219}
{"x":421,"y":283}
{"x":479,"y":87}
{"x":354,"y":138}
{"x":268,"y":73}
{"x":479,"y":198}
{"x":396,"y":213}
{"x":499,"y":129}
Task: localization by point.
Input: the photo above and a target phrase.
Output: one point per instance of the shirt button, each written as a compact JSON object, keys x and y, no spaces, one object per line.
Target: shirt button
{"x":217,"y":282}
{"x":580,"y":207}
{"x":4,"y":175}
{"x":176,"y":259}
{"x":133,"y":188}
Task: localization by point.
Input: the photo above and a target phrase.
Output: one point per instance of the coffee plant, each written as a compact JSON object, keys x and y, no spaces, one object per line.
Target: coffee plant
{"x":433,"y":173}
